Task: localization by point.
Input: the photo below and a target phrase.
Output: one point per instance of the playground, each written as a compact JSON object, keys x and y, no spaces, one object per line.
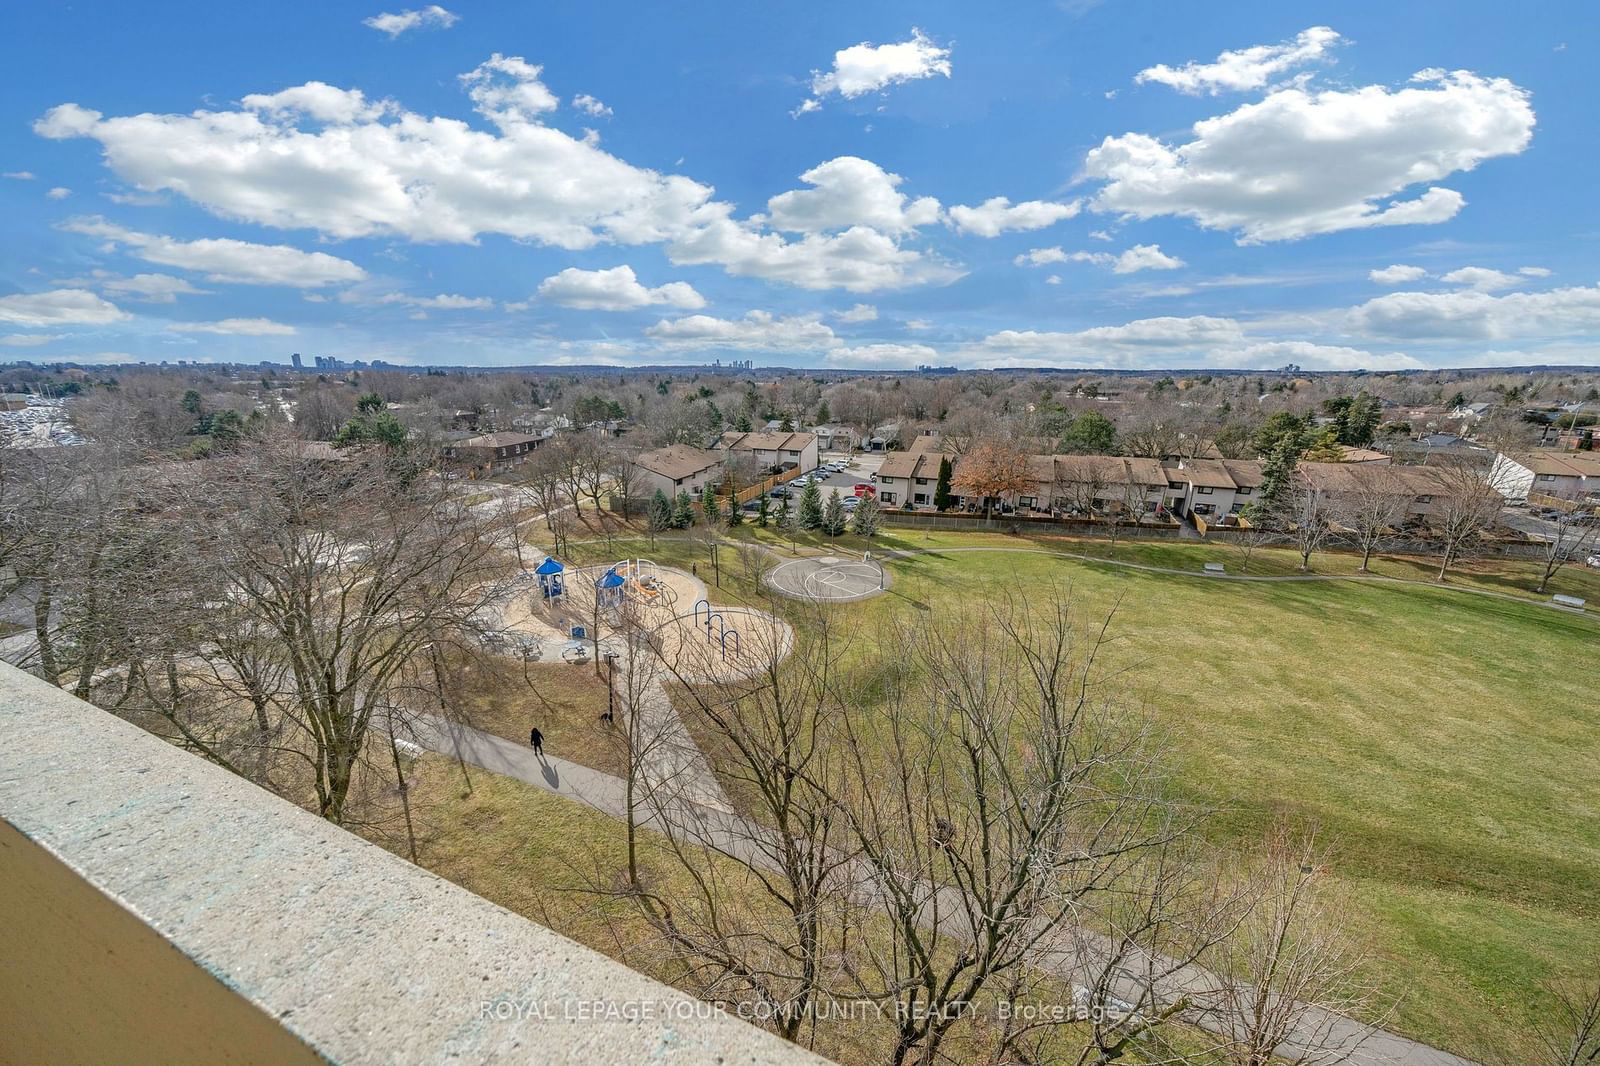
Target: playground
{"x":637,"y":601}
{"x":830,"y":579}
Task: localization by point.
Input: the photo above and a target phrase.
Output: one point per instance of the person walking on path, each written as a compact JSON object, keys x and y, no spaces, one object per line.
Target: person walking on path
{"x":536,"y":738}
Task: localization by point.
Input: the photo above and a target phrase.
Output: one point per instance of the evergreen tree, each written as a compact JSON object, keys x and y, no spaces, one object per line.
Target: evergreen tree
{"x":660,"y":516}
{"x":822,"y":413}
{"x":1091,"y":433}
{"x":833,"y":517}
{"x":785,"y":518}
{"x":1276,"y":480}
{"x":1281,"y":429}
{"x":683,"y":512}
{"x":762,"y":507}
{"x":708,"y":504}
{"x":742,"y":423}
{"x":865,"y":521}
{"x":810,"y":516}
{"x":943,"y":498}
{"x":735,"y":513}
{"x":1361,"y":421}
{"x":1326,"y":447}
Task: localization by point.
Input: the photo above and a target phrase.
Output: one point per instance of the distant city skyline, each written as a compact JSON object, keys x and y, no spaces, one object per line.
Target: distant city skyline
{"x":1125,"y":185}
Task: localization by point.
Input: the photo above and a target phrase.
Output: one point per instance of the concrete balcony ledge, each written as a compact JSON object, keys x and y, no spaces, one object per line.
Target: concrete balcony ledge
{"x":160,"y":909}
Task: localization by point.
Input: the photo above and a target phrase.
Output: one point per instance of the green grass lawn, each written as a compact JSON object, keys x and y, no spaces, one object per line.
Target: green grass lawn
{"x":1445,"y":742}
{"x":1439,"y":739}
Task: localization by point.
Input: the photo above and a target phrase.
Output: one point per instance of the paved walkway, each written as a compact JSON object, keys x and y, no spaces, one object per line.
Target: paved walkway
{"x":740,"y":838}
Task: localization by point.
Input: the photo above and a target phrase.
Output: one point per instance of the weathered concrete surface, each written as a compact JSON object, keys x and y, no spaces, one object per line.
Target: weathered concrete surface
{"x":360,"y":955}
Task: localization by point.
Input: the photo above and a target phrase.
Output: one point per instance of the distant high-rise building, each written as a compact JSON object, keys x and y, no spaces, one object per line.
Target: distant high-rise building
{"x":296,"y":361}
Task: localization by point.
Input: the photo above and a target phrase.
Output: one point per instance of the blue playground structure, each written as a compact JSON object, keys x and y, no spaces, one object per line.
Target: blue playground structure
{"x":723,"y":631}
{"x":552,"y":585}
{"x":608,"y":589}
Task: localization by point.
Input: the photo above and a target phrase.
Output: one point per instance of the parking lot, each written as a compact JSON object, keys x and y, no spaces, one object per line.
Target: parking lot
{"x":860,"y":470}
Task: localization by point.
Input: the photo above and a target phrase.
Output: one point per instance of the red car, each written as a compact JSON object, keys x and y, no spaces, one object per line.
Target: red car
{"x":863,"y":489}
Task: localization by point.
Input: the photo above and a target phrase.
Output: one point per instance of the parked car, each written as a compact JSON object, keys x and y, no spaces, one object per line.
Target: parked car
{"x":864,"y":489}
{"x":781,"y":492}
{"x":850,"y":503}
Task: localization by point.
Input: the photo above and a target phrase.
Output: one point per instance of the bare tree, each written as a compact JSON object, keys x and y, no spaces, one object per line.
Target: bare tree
{"x":1464,"y":508}
{"x":998,"y":793}
{"x":1569,"y":536}
{"x":1305,"y":513}
{"x":1371,"y":510}
{"x":1294,"y":976}
{"x":358,"y":571}
{"x":1569,"y":1029}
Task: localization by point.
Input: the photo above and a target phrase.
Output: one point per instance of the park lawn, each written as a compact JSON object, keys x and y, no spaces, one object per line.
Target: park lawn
{"x":1437,"y":739}
{"x":506,"y":697}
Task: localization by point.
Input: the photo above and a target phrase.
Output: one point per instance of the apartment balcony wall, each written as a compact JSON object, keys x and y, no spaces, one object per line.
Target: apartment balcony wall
{"x":160,"y":909}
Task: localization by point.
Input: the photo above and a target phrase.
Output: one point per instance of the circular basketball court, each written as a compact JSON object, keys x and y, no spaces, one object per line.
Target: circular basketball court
{"x":829,"y":579}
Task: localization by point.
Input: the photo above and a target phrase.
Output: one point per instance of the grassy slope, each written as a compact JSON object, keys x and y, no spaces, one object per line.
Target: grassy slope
{"x":1438,"y":737}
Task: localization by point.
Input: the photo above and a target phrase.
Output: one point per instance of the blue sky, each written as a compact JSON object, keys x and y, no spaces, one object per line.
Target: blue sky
{"x":1114,"y":184}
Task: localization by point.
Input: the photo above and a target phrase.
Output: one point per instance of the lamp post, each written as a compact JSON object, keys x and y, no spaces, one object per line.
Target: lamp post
{"x":611,"y":692}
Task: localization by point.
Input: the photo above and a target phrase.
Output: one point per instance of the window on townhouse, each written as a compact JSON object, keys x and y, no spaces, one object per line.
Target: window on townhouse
{"x":1242,"y":491}
{"x":1546,"y":477}
{"x":1205,"y":490}
{"x":1030,"y":502}
{"x":886,"y":497}
{"x":922,"y":481}
{"x":1174,"y":484}
{"x":1424,"y":499}
{"x":921,"y":497}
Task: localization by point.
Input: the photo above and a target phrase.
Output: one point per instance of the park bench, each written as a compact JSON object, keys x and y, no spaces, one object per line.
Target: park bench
{"x":1216,"y":568}
{"x":1575,"y":602}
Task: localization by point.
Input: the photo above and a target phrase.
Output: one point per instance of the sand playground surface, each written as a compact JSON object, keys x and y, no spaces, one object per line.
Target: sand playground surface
{"x":667,"y":609}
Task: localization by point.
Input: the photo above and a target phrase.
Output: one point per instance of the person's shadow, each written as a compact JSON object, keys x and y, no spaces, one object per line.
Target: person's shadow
{"x":551,"y":778}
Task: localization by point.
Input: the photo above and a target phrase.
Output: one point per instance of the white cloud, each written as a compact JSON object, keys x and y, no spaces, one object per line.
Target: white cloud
{"x":1247,"y":68}
{"x":756,"y":330}
{"x":917,"y":324}
{"x":1475,"y":315}
{"x":329,"y":160}
{"x":29,"y":340}
{"x":858,"y":313}
{"x":396,"y":24}
{"x":997,"y":214}
{"x":59,"y":307}
{"x":150,"y":288}
{"x":1053,"y":279}
{"x":1481,"y":279}
{"x":507,"y":90}
{"x":590,"y":106}
{"x":258,"y":327}
{"x":396,"y":174}
{"x":617,"y":289}
{"x":1139,"y":257}
{"x":1145,"y":257}
{"x":850,"y":191}
{"x":441,"y":302}
{"x":872,"y":356}
{"x":225,"y":259}
{"x":1299,"y":163}
{"x":865,"y":68}
{"x":19,"y":175}
{"x":60,"y":192}
{"x":860,"y":259}
{"x":1198,"y":340}
{"x":317,"y":100}
{"x":1397,"y":274}
{"x":1535,"y":272}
